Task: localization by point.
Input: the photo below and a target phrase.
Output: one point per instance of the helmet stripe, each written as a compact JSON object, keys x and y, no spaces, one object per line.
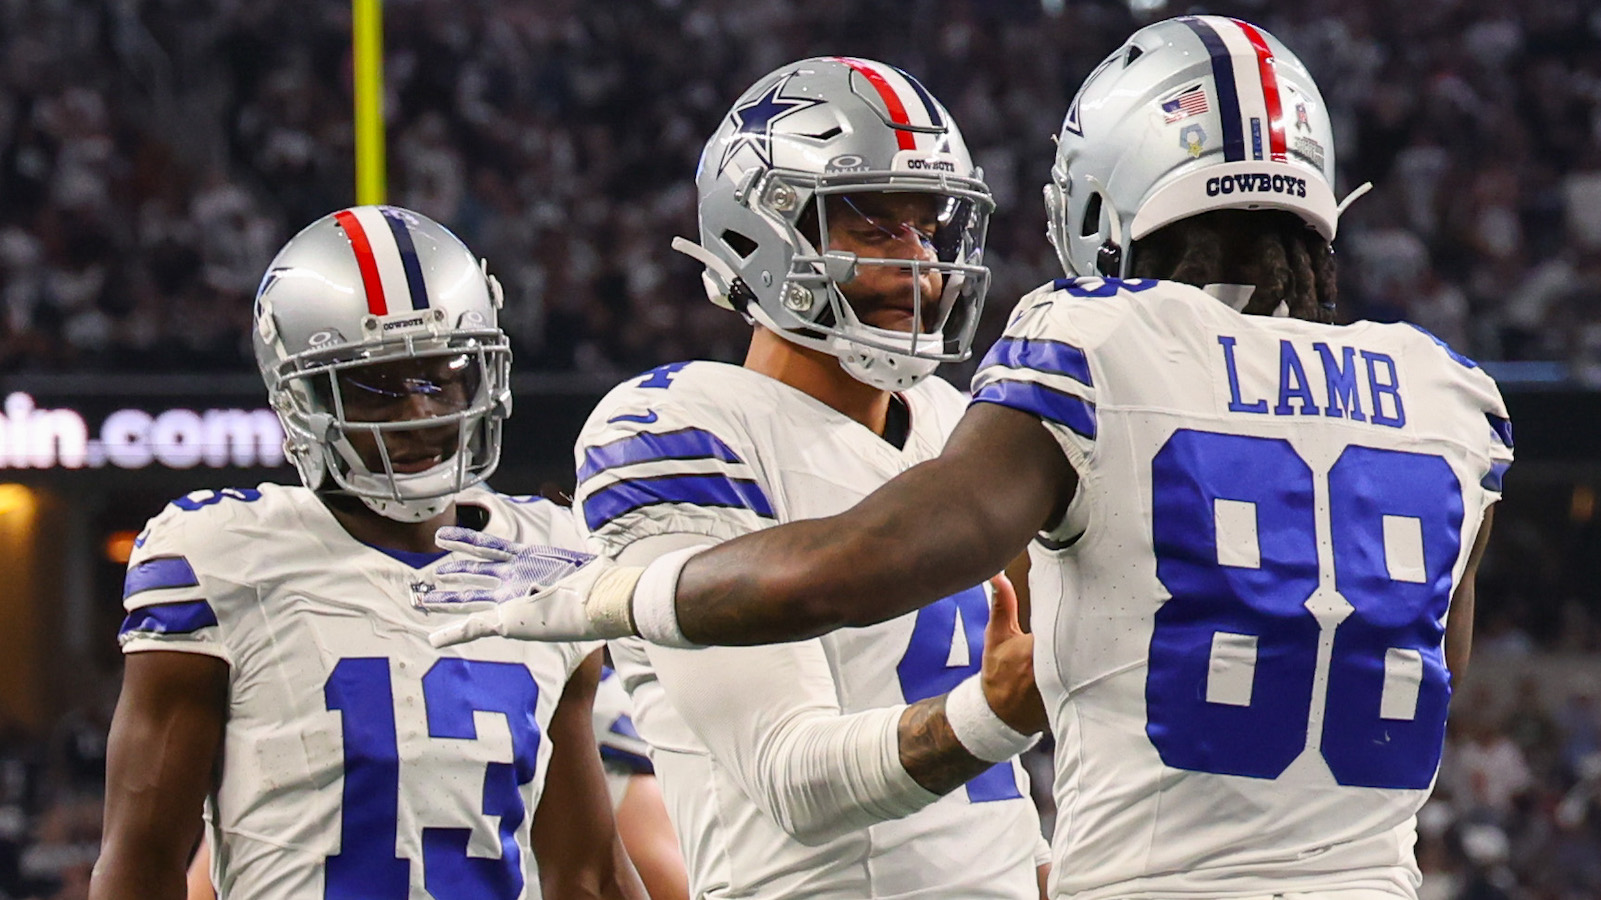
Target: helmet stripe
{"x":923,"y":95}
{"x":1266,"y":67}
{"x":387,"y":257}
{"x":1228,"y":99}
{"x":897,"y":110}
{"x":365,"y":262}
{"x":408,"y":257}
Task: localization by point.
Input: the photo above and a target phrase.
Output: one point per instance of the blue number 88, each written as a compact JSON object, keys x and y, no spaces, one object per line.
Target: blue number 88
{"x":1386,"y":647}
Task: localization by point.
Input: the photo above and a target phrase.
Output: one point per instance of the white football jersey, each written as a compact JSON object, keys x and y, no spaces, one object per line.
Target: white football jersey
{"x":358,"y":761}
{"x":1240,"y":623}
{"x":717,"y":450}
{"x":623,"y":753}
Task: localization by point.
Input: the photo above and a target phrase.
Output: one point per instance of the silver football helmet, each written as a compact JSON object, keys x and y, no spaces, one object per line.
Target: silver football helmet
{"x":1190,"y":115}
{"x":379,"y":308}
{"x":839,"y":127}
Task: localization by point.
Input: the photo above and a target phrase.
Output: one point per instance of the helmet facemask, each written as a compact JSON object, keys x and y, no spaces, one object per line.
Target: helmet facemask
{"x":367,"y":421}
{"x":846,"y":234}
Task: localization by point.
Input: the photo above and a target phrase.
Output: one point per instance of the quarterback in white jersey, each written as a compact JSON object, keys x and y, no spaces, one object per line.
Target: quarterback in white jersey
{"x":1253,"y":532}
{"x":278,"y":664}
{"x":841,"y":213}
{"x":715,"y":451}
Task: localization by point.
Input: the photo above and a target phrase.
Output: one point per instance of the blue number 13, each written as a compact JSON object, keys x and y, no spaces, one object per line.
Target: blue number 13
{"x":366,"y":867}
{"x":1384,"y":715}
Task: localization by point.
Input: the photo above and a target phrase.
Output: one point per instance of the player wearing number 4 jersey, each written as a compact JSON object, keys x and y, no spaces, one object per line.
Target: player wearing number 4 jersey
{"x":1253,"y":537}
{"x":828,"y":767}
{"x":278,"y":668}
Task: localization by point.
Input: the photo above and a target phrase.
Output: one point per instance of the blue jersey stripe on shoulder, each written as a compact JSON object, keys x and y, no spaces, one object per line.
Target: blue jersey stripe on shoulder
{"x":155,"y":574}
{"x":1092,"y":287}
{"x":1041,"y":355}
{"x":1493,"y":478}
{"x":170,"y":618}
{"x":702,"y":490}
{"x":685,"y":443}
{"x":1501,"y":427}
{"x":1063,"y":408}
{"x":1446,"y":347}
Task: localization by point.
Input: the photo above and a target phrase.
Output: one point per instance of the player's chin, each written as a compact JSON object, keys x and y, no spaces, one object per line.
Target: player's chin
{"x":890,"y":319}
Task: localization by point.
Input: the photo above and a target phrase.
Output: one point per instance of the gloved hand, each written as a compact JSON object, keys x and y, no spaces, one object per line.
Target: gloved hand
{"x":539,"y":593}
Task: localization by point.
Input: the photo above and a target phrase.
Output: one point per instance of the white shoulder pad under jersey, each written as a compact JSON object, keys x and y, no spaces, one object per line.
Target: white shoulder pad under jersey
{"x":713,"y":450}
{"x":357,"y":759}
{"x":1241,"y":620}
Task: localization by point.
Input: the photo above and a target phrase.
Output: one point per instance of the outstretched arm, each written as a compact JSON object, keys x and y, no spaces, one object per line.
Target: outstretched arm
{"x":932,"y":531}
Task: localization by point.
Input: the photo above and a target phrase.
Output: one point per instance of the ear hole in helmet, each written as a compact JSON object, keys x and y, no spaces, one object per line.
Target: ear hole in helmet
{"x":1092,"y":216}
{"x":739,"y":243}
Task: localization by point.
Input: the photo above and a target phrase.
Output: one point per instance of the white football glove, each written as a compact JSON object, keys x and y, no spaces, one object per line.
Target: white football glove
{"x":539,"y":593}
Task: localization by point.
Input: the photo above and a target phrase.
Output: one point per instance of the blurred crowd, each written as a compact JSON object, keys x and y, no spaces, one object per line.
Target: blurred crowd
{"x":154,"y":154}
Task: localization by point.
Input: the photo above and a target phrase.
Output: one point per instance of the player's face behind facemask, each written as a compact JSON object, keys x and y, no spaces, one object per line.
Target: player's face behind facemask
{"x":1271,"y":260}
{"x":402,"y":416}
{"x":830,"y":128}
{"x":895,"y":241}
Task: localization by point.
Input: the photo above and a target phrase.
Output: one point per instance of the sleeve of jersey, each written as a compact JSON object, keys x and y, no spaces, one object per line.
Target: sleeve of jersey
{"x":669,"y":475}
{"x":1499,"y":444}
{"x":771,"y":718}
{"x":1041,"y":368}
{"x":621,"y":746}
{"x":171,"y":602}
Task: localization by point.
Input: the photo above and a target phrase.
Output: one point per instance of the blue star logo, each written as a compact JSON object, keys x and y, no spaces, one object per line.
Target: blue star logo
{"x":755,"y":120}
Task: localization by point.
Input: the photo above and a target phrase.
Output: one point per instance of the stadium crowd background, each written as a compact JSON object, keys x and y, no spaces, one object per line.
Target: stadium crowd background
{"x":155,"y":153}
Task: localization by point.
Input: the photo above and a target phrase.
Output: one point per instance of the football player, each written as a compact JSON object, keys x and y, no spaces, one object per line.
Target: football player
{"x":1254,"y":533}
{"x":642,"y":822}
{"x":841,"y":214}
{"x":278,"y":671}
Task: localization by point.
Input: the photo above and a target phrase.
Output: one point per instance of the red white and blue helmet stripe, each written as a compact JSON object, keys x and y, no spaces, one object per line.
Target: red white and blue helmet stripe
{"x":1243,"y":70}
{"x":908,"y":103}
{"x":386,"y":256}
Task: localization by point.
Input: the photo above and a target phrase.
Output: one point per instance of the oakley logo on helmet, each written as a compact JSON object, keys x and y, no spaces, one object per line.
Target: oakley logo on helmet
{"x":1256,"y":182}
{"x":848,"y":162}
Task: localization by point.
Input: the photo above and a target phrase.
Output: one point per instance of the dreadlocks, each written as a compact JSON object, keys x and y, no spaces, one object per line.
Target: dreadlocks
{"x":1276,"y":251}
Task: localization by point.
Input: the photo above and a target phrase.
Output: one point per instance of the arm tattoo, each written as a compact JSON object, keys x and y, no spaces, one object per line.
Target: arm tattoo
{"x":930,"y":751}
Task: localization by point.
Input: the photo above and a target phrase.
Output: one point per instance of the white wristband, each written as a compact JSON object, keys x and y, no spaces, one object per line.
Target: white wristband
{"x":656,"y":599}
{"x":979,"y":729}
